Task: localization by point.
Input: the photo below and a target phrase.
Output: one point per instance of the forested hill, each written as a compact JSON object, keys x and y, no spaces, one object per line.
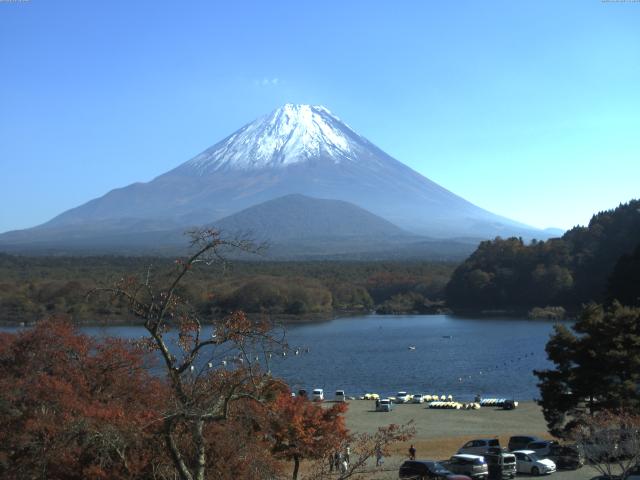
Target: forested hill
{"x":568,"y":271}
{"x":33,"y":288}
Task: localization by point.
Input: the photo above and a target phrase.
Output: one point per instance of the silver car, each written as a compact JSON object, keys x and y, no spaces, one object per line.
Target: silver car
{"x":473,"y":466}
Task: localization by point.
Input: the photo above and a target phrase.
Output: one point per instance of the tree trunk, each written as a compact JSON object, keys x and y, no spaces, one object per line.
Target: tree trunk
{"x":296,"y":466}
{"x":176,"y":456}
{"x":201,"y":458}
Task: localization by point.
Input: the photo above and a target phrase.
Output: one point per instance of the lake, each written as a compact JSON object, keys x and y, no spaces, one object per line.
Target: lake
{"x":463,"y":357}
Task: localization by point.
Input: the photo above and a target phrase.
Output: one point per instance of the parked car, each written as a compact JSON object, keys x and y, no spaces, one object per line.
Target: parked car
{"x":509,"y":405}
{"x":541,"y":447}
{"x":528,"y":462}
{"x":417,"y":399}
{"x":385,"y":405}
{"x":479,"y":446}
{"x":340,"y":396}
{"x":302,"y":393}
{"x":317,"y":394}
{"x":520,"y":442}
{"x":427,"y":470}
{"x":473,"y":466}
{"x":501,"y":464}
{"x":402,"y":397}
{"x":567,"y":456}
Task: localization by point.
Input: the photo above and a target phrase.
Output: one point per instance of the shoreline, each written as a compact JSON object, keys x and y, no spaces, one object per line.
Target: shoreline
{"x":291,"y":319}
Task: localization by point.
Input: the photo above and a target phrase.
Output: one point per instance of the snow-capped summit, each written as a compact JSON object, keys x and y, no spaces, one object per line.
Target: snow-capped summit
{"x":290,"y":134}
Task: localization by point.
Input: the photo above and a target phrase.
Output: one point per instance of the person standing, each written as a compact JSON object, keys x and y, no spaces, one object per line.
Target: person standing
{"x":379,"y":460}
{"x":347,"y":454}
{"x":412,"y":452}
{"x":344,"y":466}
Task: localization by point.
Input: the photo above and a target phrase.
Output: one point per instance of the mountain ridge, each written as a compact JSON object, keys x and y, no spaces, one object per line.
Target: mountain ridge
{"x":297,"y":149}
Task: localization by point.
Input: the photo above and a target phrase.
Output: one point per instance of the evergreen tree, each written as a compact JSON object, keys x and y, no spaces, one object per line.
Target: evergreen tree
{"x":624,"y":283}
{"x":597,"y":367}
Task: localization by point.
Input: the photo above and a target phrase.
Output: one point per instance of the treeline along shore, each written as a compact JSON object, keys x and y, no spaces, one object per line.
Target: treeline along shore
{"x":597,"y":263}
{"x":35,"y":287}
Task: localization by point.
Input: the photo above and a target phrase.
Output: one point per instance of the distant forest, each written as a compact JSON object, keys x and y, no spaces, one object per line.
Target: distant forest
{"x":597,"y":263}
{"x":33,"y":288}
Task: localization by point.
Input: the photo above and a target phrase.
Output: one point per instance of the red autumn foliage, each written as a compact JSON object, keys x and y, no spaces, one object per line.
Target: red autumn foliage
{"x":71,"y":406}
{"x":300,"y":428}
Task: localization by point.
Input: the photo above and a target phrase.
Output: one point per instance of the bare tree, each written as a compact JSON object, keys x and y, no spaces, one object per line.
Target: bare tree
{"x":364,"y":448}
{"x":610,"y":441}
{"x":210,"y":365}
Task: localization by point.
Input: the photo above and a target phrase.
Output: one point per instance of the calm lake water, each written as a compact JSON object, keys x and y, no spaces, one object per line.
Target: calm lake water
{"x":493,"y":357}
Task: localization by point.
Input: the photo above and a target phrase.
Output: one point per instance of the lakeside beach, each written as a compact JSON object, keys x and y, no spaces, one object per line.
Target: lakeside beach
{"x":439,"y":433}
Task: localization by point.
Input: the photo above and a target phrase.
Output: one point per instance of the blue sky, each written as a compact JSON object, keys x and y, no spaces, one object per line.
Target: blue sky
{"x":529,"y":109}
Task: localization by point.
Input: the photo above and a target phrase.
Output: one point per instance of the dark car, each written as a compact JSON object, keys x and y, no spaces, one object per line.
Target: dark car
{"x":501,"y":465}
{"x":566,"y":456}
{"x":425,"y":470}
{"x":520,"y":442}
{"x":542,"y":447}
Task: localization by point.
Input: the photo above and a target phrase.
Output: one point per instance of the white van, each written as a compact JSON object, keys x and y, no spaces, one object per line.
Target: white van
{"x":317,"y":394}
{"x":340,"y":396}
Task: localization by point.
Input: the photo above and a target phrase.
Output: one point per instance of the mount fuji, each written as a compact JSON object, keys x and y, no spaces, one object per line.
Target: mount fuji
{"x":296,"y":149}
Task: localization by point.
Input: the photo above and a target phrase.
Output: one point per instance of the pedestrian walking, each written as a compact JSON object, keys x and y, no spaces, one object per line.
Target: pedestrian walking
{"x":344,"y":466}
{"x":336,"y":460}
{"x":347,"y":454}
{"x":412,"y":453}
{"x":379,"y":459}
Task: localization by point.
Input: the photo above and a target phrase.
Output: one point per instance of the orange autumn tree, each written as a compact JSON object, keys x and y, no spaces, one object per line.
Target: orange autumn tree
{"x":73,"y":407}
{"x":302,"y":429}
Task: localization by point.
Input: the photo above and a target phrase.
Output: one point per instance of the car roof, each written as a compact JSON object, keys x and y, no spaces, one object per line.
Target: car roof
{"x":526,"y":452}
{"x":467,"y":456}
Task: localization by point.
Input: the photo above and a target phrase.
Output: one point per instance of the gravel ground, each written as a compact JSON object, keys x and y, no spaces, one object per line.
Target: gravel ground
{"x":439,"y":433}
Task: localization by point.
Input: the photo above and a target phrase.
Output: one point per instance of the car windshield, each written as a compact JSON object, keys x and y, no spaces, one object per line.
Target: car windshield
{"x":533,"y":456}
{"x":438,"y":468}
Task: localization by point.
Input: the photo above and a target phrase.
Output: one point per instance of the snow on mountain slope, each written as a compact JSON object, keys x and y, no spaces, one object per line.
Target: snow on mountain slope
{"x":289,"y":135}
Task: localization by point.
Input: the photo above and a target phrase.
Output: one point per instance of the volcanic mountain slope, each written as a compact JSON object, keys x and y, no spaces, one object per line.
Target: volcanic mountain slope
{"x":299,"y":218}
{"x":297,"y":149}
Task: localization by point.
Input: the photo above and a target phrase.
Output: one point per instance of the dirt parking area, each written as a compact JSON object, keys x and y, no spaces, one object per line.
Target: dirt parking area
{"x":439,"y":433}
